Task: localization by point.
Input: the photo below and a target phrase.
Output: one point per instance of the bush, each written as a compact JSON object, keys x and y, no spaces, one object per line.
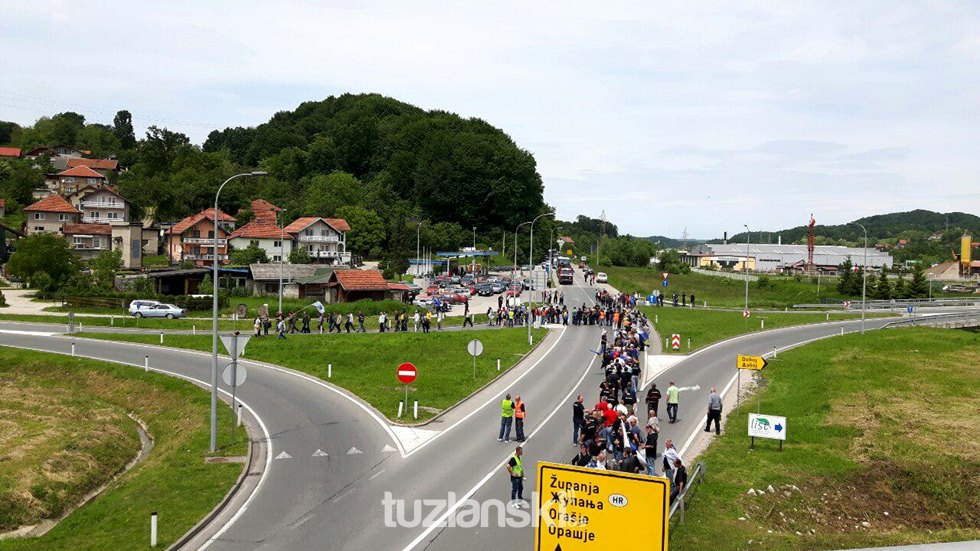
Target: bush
{"x":763,"y":282}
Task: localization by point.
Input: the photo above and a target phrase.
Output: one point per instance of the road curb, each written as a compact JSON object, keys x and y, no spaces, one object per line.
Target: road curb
{"x":232,"y":492}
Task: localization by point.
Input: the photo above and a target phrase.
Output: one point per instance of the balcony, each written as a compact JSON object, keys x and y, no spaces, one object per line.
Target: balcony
{"x":318,"y":238}
{"x":204,"y":257}
{"x":102,"y":220}
{"x":207,"y":241}
{"x":90,"y":247}
{"x":342,"y":256}
{"x":103,"y":205}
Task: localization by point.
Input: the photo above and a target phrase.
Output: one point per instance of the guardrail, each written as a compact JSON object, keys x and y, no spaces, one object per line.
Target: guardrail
{"x":897,"y":303}
{"x":933,"y":319}
{"x":693,"y":481}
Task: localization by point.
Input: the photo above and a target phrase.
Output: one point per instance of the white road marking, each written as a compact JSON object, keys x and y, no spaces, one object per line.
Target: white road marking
{"x":284,"y":455}
{"x":320,"y":453}
{"x":695,"y":387}
{"x":376,"y":475}
{"x":342,"y":496}
{"x":354,"y":451}
{"x":34,"y":333}
{"x":387,"y":449}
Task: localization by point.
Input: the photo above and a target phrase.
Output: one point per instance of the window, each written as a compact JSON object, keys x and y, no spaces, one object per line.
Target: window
{"x":39,"y":216}
{"x":253,"y":243}
{"x":196,"y":234}
{"x":68,"y":180}
{"x":277,"y":258}
{"x":112,"y":215}
{"x":277,"y":243}
{"x":93,"y":214}
{"x":211,"y":234}
{"x":38,"y":228}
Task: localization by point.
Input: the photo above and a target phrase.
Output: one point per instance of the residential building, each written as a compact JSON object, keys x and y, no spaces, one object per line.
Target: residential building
{"x":10,"y":152}
{"x":49,"y":214}
{"x":192,"y":239}
{"x":266,"y":278}
{"x":266,"y":211}
{"x":104,"y":167}
{"x":354,"y":285}
{"x":266,"y":235}
{"x":101,"y":205}
{"x":325,"y":239}
{"x":71,"y":180}
{"x":88,"y":240}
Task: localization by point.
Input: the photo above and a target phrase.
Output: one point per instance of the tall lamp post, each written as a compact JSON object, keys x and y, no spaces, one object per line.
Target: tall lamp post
{"x":517,"y":229}
{"x":530,"y":261}
{"x":748,"y":235}
{"x":282,"y":258}
{"x":473,"y":264}
{"x":214,"y":313}
{"x":551,"y":257}
{"x":864,"y":277}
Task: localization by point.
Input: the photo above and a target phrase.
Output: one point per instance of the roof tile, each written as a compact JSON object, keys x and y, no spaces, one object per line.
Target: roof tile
{"x":97,"y":164}
{"x":53,"y":203}
{"x":81,"y":172}
{"x":361,"y":280}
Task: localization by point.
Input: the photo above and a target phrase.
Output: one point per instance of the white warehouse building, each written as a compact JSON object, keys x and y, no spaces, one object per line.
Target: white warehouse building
{"x":781,"y":258}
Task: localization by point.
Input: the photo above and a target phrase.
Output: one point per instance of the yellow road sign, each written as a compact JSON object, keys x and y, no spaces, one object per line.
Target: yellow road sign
{"x":755,"y":363}
{"x":591,"y":509}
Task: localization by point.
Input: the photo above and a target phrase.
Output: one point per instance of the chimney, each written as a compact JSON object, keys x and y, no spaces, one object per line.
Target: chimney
{"x":724,"y":240}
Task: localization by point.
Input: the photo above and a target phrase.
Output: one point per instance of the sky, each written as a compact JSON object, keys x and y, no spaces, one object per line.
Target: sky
{"x":665,"y":116}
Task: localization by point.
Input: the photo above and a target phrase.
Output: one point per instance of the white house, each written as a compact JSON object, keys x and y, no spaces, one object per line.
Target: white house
{"x":325,"y":239}
{"x":276,"y":243}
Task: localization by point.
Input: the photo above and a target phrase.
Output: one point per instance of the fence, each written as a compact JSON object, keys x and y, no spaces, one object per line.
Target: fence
{"x":694,"y":481}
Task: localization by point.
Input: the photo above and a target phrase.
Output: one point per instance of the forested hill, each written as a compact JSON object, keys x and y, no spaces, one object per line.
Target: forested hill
{"x":440,"y":166}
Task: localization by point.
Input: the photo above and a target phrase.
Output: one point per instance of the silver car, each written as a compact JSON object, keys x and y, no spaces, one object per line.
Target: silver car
{"x":168,"y":311}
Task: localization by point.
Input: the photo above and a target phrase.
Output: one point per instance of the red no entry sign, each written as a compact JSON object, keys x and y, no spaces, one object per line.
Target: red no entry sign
{"x":406,"y":373}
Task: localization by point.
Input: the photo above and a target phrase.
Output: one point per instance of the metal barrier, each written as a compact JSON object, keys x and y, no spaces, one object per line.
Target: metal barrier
{"x":695,"y":479}
{"x":855,"y":304}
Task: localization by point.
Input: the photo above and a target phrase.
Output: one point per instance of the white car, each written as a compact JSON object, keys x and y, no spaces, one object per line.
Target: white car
{"x":141,"y":305}
{"x":601,"y":277}
{"x":168,"y":311}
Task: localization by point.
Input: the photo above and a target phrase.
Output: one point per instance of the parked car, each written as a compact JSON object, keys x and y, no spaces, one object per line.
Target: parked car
{"x":601,"y":277}
{"x":138,"y":304}
{"x":168,"y":311}
{"x":515,"y":290}
{"x":498,"y":287}
{"x":485,"y":290}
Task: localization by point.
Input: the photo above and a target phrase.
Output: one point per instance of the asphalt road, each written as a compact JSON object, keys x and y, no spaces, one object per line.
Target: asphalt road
{"x":335,"y":501}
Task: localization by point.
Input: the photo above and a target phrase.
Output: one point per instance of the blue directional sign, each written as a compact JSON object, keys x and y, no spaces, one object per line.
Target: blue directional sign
{"x":665,"y":283}
{"x":910,"y":309}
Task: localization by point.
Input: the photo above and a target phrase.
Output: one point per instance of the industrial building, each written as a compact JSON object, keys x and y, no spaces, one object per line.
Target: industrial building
{"x":781,"y":258}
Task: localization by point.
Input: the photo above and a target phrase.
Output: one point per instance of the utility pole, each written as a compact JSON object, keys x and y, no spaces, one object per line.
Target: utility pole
{"x":864,"y":278}
{"x":748,"y":236}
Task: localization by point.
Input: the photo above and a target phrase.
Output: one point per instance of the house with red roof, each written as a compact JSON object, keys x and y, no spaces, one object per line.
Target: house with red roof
{"x":104,"y":167}
{"x":325,"y":239}
{"x":88,"y":240}
{"x":49,"y":215}
{"x":71,"y":180}
{"x":354,"y":285}
{"x":266,"y":235}
{"x":192,"y":239}
{"x":10,"y":152}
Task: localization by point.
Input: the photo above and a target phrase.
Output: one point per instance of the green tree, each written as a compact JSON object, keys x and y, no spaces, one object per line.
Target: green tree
{"x":367,"y":230}
{"x":882,"y":289}
{"x":18,"y":178}
{"x":919,"y":286}
{"x":44,"y":253}
{"x":845,"y":281}
{"x":670,"y":262}
{"x":253,"y":254}
{"x":299,"y":255}
{"x":325,"y":194}
{"x":122,"y":127}
{"x":901,"y":289}
{"x":105,"y":266}
{"x":206,"y":287}
{"x":99,"y":139}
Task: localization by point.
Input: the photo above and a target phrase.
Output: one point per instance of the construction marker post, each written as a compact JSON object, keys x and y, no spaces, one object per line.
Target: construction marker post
{"x":402,"y":404}
{"x":194,"y":330}
{"x":73,"y":349}
{"x":763,"y":320}
{"x":329,"y":370}
{"x":841,"y":329}
{"x":161,"y":337}
{"x":415,"y":410}
{"x":498,"y":364}
{"x":153,"y":529}
{"x":146,"y":363}
{"x":239,"y":415}
{"x":112,"y":320}
{"x":79,"y":326}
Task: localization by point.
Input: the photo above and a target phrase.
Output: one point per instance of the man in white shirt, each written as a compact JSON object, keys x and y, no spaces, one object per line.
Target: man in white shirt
{"x":670,"y":456}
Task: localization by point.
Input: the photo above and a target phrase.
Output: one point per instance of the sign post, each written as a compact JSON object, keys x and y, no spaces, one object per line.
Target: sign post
{"x":233,"y":375}
{"x":406,"y":374}
{"x":475,"y":348}
{"x":754,"y":363}
{"x":767,"y":426}
{"x":584,"y":508}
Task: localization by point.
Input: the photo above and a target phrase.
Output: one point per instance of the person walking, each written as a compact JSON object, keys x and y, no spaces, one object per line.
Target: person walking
{"x":306,"y":323}
{"x":680,"y":480}
{"x":578,"y":418}
{"x":349,"y":324}
{"x":319,"y":323}
{"x":650,"y":449}
{"x":382,"y":322}
{"x":672,"y":395}
{"x":506,"y":418}
{"x":692,"y":300}
{"x":519,"y":419}
{"x":416,"y":319}
{"x":468,"y":318}
{"x":281,"y":329}
{"x":714,"y":411}
{"x":515,"y":467}
{"x":653,"y":399}
{"x":360,"y":322}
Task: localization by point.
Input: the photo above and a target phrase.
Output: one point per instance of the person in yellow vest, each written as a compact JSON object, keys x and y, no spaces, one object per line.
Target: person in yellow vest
{"x":506,"y":418}
{"x":519,"y":419}
{"x":515,"y":466}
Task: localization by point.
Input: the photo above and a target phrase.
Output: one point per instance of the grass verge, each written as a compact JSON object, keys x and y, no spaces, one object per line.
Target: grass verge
{"x":704,"y":327}
{"x":880,"y":444}
{"x":365,"y":364}
{"x":65,"y":432}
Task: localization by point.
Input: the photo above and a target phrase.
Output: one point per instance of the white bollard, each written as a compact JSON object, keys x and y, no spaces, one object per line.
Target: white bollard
{"x":153,"y":529}
{"x":688,"y":344}
{"x":666,"y":342}
{"x":112,"y":320}
{"x":828,"y":316}
{"x":239,"y":415}
{"x":774,"y":352}
{"x":329,"y":370}
{"x":415,"y":413}
{"x":763,"y":324}
{"x":146,"y":363}
{"x":194,"y":330}
{"x":161,"y":337}
{"x":401,"y":405}
{"x":498,"y":368}
{"x":656,"y":318}
{"x":841,"y":329}
{"x":79,"y":326}
{"x":72,"y":349}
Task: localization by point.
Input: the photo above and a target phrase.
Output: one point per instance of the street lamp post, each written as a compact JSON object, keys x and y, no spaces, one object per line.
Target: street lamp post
{"x":214,"y":313}
{"x":282,"y":258}
{"x":864,"y":277}
{"x":473,"y":264}
{"x":517,"y":229}
{"x":530,"y":261}
{"x":551,"y":257}
{"x":748,"y":235}
{"x":418,"y":252}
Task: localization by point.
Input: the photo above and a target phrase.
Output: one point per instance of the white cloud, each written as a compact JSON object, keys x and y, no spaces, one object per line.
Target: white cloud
{"x":645,"y":110}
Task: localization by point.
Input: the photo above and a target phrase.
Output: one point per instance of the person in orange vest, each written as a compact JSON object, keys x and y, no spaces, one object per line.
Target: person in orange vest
{"x":519,"y":419}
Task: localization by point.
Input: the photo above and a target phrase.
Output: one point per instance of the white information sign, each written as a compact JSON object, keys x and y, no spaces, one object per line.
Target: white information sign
{"x":767,"y":426}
